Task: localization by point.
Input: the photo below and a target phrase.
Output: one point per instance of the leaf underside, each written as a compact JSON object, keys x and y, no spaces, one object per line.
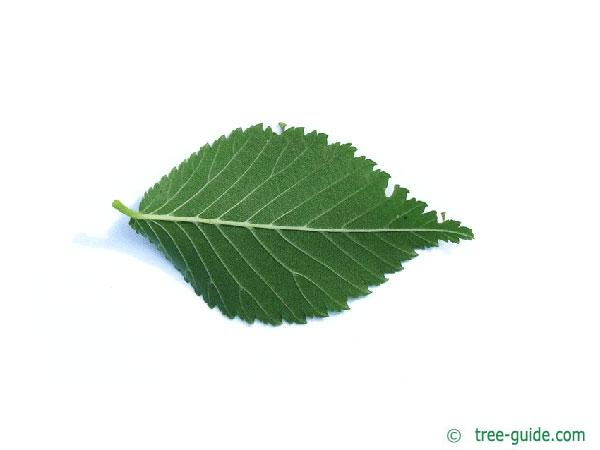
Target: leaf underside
{"x":284,"y":227}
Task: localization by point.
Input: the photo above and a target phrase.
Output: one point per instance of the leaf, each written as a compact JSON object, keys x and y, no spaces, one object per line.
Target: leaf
{"x":283,"y":227}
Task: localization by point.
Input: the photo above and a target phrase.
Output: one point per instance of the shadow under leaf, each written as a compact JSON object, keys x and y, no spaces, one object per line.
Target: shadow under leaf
{"x":122,"y":238}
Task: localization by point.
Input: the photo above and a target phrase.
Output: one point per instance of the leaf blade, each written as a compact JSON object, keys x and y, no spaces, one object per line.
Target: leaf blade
{"x":284,"y":227}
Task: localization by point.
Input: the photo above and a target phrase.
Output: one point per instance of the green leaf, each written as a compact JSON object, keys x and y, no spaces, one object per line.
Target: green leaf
{"x":283,"y":227}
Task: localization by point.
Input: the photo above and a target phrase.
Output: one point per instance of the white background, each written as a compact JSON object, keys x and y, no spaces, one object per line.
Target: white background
{"x":486,"y":110}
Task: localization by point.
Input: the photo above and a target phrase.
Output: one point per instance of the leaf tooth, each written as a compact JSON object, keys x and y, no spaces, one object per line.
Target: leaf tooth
{"x":399,"y":193}
{"x":214,"y":294}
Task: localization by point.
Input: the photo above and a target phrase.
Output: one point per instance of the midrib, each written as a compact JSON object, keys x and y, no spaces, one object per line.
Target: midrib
{"x":193,"y":219}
